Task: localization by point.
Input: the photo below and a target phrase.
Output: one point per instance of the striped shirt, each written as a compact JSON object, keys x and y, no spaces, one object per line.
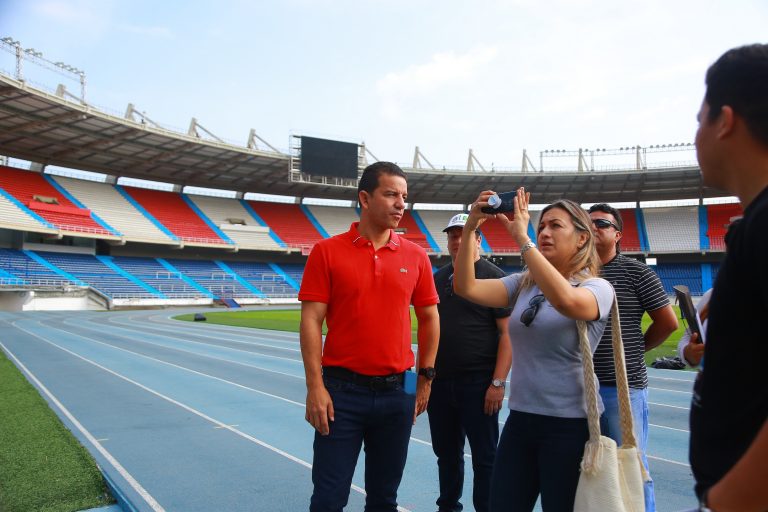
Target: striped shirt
{"x":638,"y":289}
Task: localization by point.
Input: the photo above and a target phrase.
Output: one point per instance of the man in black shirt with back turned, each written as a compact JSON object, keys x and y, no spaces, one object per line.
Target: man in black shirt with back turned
{"x":729,"y":431}
{"x":473,"y":360}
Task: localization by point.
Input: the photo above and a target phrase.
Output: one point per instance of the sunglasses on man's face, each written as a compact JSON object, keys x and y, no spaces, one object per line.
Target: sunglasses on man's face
{"x":532,"y":310}
{"x":604,"y":224}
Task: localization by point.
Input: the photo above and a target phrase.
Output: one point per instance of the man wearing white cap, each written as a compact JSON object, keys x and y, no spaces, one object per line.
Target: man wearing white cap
{"x":473,"y":360}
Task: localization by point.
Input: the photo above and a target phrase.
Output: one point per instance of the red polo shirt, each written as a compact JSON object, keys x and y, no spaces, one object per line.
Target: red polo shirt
{"x":368,"y":294}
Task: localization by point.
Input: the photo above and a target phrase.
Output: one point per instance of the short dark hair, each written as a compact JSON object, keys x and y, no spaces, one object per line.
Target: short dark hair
{"x":370,"y":178}
{"x":739,"y":79}
{"x":606,"y":208}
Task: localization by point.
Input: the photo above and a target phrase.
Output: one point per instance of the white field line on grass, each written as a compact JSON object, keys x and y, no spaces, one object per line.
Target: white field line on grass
{"x":189,"y":408}
{"x":91,"y":439}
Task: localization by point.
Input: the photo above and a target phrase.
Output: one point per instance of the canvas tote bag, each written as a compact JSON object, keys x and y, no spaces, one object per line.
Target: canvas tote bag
{"x":611,"y":477}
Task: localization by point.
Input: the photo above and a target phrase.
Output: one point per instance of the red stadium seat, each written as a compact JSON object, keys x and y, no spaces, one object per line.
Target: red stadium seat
{"x":33,"y":190}
{"x":718,"y":218}
{"x":170,"y":209}
{"x":288,"y":222}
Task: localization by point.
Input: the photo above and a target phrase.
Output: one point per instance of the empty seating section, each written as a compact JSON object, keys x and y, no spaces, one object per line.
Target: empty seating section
{"x":236,"y":222}
{"x":211,"y":277}
{"x":294,"y":270}
{"x":334,"y":219}
{"x":718,"y":218}
{"x":688,"y":274}
{"x":412,"y":232}
{"x":264,"y":278}
{"x":498,"y":238}
{"x":32,"y":190}
{"x":32,"y":273}
{"x":672,"y":229}
{"x":90,"y":270}
{"x":175,"y":214}
{"x":289,"y":223}
{"x":435,"y":221}
{"x":151,"y":272}
{"x":630,"y":233}
{"x":115,"y":210}
{"x":13,"y":217}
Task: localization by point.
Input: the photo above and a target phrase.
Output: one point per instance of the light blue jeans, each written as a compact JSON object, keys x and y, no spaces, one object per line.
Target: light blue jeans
{"x":611,"y":427}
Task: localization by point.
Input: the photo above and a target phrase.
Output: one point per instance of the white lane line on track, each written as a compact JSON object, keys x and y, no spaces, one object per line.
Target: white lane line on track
{"x":672,"y":406}
{"x":669,"y":428}
{"x":127,"y":325}
{"x":671,"y":378}
{"x":669,"y":460}
{"x":225,"y":381}
{"x":207,"y":356}
{"x":416,"y":440}
{"x":95,"y":442}
{"x":672,"y":390}
{"x":287,"y":337}
{"x":192,"y":410}
{"x":162,"y":362}
{"x":182,"y":340}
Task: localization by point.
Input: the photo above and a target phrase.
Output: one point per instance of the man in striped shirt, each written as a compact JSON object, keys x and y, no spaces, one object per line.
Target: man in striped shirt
{"x":638,"y":289}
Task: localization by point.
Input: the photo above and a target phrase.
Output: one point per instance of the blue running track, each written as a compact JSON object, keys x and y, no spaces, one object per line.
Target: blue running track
{"x":198,"y":417}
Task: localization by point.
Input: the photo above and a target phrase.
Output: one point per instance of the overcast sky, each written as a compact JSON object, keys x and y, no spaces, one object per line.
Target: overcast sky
{"x":495,"y":76}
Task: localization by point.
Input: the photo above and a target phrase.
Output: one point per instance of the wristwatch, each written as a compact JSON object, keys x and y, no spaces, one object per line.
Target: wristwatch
{"x":428,"y":372}
{"x":498,"y":383}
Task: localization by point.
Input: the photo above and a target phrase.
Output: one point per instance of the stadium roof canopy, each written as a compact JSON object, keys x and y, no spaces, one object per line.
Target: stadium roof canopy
{"x":54,"y":130}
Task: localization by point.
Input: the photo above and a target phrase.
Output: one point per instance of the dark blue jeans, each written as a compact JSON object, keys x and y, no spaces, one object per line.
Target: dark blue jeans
{"x":538,"y":454}
{"x":456,"y":411}
{"x":382,"y":421}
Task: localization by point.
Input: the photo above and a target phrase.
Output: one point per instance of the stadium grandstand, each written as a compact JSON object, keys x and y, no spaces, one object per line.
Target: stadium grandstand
{"x":99,"y":210}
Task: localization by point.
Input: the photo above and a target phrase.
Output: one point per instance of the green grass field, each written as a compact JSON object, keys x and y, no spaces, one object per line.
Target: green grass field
{"x":42,"y":466}
{"x":288,"y":320}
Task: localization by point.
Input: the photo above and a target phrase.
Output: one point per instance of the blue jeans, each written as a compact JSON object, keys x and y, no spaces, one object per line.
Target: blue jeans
{"x":611,"y":427}
{"x":538,"y":455}
{"x":382,"y":421}
{"x":456,"y":411}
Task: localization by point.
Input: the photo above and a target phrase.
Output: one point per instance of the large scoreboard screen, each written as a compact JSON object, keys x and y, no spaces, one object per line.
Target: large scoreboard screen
{"x":322,"y":157}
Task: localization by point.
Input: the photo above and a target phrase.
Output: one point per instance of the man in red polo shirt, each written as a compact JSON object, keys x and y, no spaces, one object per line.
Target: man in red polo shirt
{"x":362,"y":283}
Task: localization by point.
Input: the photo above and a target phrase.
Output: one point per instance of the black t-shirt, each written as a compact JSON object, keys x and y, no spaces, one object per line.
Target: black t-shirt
{"x":638,"y":289}
{"x":469,"y":336}
{"x":730,"y":396}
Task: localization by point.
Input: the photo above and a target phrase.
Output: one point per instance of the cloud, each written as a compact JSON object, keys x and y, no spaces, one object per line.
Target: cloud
{"x":444,"y":68}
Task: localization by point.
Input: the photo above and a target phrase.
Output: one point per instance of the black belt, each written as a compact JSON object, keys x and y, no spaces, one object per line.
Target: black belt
{"x":372,"y":382}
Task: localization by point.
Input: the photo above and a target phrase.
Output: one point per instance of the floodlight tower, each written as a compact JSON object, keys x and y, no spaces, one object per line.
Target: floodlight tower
{"x":36,"y":57}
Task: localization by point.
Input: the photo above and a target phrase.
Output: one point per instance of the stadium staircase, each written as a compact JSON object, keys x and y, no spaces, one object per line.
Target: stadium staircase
{"x":672,"y":229}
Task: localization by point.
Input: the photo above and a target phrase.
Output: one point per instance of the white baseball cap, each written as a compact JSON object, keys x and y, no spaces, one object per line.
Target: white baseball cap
{"x":457,"y":221}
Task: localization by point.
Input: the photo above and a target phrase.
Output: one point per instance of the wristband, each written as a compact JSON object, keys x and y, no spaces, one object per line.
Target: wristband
{"x":527,"y":247}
